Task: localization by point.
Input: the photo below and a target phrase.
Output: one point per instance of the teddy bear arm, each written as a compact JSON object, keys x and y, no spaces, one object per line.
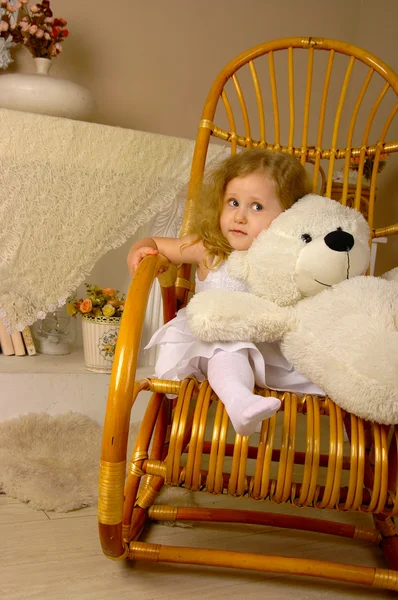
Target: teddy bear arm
{"x":217,"y":315}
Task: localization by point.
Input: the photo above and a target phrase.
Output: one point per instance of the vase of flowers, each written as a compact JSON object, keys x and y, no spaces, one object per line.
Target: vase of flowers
{"x":101,"y":312}
{"x":36,"y":29}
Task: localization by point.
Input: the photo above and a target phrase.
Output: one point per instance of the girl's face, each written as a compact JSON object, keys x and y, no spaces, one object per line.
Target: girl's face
{"x":250,"y":206}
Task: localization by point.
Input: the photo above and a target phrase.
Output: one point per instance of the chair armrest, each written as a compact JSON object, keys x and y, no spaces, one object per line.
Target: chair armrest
{"x":169,"y":276}
{"x":385,"y":231}
{"x":120,"y":400}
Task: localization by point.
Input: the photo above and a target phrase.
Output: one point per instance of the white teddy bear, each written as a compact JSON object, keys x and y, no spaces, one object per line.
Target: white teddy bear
{"x":337,"y":327}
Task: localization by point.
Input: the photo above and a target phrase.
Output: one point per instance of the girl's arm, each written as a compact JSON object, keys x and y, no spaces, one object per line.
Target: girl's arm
{"x":176,"y":250}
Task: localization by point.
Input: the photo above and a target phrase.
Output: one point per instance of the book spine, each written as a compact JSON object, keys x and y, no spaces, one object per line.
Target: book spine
{"x":28,"y":340}
{"x":6,"y":341}
{"x":17,"y":341}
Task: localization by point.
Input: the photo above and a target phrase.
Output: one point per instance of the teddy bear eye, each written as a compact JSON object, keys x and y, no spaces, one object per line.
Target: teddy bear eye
{"x":306,"y":237}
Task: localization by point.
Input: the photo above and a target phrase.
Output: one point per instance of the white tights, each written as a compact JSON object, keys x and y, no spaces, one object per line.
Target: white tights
{"x":231,"y":377}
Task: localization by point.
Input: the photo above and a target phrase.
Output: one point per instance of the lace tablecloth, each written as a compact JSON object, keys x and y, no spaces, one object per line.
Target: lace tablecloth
{"x":69,"y":192}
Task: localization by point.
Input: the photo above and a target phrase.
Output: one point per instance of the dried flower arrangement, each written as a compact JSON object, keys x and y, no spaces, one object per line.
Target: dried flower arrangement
{"x":34,"y":27}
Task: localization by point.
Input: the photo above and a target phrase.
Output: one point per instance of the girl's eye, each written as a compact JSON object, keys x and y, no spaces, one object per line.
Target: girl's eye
{"x":256,"y":206}
{"x":233,"y":202}
{"x":306,"y":237}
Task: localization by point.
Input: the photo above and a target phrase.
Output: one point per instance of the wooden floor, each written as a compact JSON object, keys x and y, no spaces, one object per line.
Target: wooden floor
{"x":52,"y":556}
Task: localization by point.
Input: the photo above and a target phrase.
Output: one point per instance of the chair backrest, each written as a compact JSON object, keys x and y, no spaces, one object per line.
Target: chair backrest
{"x":333,"y":109}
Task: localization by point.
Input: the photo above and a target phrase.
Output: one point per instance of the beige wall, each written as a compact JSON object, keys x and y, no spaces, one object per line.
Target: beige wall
{"x":150,"y":64}
{"x":377,"y":32}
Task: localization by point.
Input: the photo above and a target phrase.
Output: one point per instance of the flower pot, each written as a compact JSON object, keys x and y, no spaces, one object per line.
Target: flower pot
{"x":40,"y":93}
{"x":99,"y":342}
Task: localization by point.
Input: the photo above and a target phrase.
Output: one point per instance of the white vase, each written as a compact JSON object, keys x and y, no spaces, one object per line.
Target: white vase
{"x":43,"y":65}
{"x":99,"y":342}
{"x":42,"y":94}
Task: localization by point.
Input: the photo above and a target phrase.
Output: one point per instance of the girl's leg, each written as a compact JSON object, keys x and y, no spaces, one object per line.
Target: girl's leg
{"x":232,"y":378}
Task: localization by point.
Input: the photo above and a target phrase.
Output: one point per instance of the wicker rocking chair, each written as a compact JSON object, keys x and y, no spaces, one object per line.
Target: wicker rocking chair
{"x":189,"y":442}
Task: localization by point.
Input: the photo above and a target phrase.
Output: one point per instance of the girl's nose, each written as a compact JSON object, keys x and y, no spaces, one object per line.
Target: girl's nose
{"x":240,"y":215}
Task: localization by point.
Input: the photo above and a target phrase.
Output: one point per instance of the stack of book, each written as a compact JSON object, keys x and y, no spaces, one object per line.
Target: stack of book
{"x":19,"y":343}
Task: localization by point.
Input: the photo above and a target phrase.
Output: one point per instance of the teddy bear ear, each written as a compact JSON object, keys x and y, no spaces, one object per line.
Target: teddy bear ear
{"x":238,"y":265}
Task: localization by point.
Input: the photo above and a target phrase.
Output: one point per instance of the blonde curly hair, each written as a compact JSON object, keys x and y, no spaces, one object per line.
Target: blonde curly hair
{"x":288,"y":175}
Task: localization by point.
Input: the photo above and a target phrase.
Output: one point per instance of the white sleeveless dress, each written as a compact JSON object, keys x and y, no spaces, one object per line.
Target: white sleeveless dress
{"x":182,"y":355}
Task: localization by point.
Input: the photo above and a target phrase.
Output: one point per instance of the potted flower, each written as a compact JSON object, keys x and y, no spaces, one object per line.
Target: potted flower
{"x":101,"y":312}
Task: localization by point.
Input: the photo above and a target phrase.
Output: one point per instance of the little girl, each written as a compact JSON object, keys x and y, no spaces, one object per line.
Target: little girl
{"x":241,"y":199}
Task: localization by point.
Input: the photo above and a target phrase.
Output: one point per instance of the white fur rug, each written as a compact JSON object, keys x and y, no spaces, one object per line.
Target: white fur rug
{"x":52,"y":462}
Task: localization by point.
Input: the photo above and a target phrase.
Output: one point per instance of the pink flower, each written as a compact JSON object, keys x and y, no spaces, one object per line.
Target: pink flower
{"x":49,"y":20}
{"x":47,"y":36}
{"x":40,"y":33}
{"x":108,"y":291}
{"x":4,"y":26}
{"x":11,"y":8}
{"x":34,"y":9}
{"x":25,"y":26}
{"x":33,"y":29}
{"x":114,"y":303}
{"x":86,"y":306}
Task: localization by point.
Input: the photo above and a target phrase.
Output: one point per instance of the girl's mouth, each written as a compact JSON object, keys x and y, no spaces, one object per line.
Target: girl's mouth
{"x":238,"y":232}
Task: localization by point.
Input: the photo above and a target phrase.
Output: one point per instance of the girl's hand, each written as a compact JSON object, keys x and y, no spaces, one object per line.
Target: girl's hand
{"x":135,"y":256}
{"x":188,"y":249}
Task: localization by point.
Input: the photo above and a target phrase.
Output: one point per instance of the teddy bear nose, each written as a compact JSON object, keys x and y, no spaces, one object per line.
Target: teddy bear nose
{"x":340,"y":241}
